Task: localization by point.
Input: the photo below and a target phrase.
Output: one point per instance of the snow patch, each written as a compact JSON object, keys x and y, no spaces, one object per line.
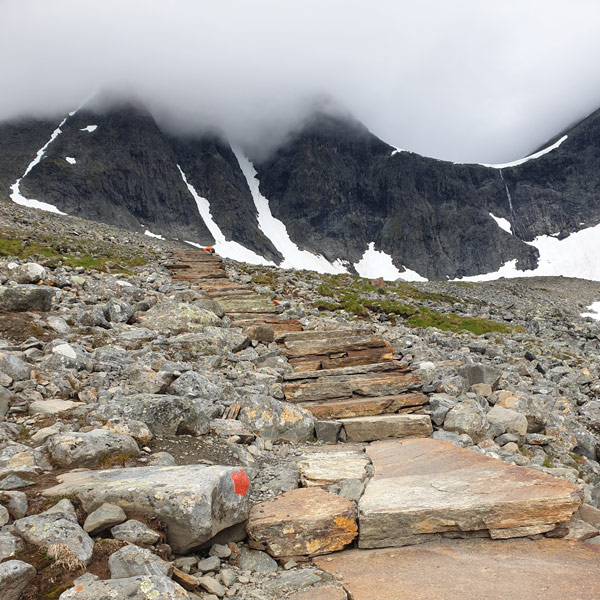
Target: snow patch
{"x":577,"y":255}
{"x":15,"y":188}
{"x":70,"y":160}
{"x":231,"y":250}
{"x":375,"y":263}
{"x":89,"y":128}
{"x":594,"y":313}
{"x":153,"y":235}
{"x":275,"y":230}
{"x":533,"y":156}
{"x":502,"y":223}
{"x":396,"y":151}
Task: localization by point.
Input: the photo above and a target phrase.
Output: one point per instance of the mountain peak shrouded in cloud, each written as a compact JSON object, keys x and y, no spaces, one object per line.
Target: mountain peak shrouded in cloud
{"x":468,"y":81}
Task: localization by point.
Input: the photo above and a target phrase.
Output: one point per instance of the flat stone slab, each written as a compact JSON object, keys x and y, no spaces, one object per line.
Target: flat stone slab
{"x":425,"y":487}
{"x":324,"y":592}
{"x":195,"y":501}
{"x":320,"y":469}
{"x":303,"y":522}
{"x":367,"y":429}
{"x":470,"y":570}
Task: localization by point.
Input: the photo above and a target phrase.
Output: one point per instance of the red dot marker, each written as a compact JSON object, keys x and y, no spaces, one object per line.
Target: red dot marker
{"x":241,"y":483}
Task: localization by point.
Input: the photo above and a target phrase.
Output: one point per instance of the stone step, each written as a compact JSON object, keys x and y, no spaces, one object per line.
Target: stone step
{"x":199,"y":277}
{"x":392,"y":365}
{"x":470,"y":570}
{"x":332,"y":351}
{"x":424,"y":488}
{"x":365,"y":407}
{"x":380,"y":427}
{"x":250,"y":305}
{"x":345,"y":387}
{"x":302,"y":522}
{"x":277,"y":324}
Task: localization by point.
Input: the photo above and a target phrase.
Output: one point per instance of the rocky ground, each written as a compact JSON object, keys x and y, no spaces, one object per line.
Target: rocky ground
{"x":140,"y":428}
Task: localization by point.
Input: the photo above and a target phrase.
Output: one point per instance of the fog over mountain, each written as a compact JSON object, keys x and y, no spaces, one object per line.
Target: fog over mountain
{"x":468,"y":81}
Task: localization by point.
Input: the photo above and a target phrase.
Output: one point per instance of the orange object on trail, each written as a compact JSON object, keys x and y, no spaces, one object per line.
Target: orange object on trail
{"x":209,"y":249}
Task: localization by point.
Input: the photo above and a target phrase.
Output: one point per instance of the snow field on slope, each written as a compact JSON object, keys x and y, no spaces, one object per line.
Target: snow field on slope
{"x":520,"y":161}
{"x":231,"y":250}
{"x":577,"y":255}
{"x":275,"y":230}
{"x":376,"y":263}
{"x":502,"y":223}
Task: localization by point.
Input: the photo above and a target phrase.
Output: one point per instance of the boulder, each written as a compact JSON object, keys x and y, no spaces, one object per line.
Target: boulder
{"x":90,"y":449}
{"x":424,"y":487}
{"x":14,"y":367}
{"x":195,"y":501}
{"x":24,"y":298}
{"x":163,"y":414}
{"x":135,"y":532}
{"x":366,"y":429}
{"x":512,"y":421}
{"x":275,"y":420}
{"x":52,"y":406}
{"x":195,"y":385}
{"x":46,"y":529}
{"x":132,"y":561}
{"x":15,"y":576}
{"x":104,"y":517}
{"x":179,"y":317}
{"x":303,"y":522}
{"x":144,"y":587}
{"x":479,"y":373}
{"x":467,"y":417}
{"x":9,"y":545}
{"x":320,"y":469}
{"x":28,"y":273}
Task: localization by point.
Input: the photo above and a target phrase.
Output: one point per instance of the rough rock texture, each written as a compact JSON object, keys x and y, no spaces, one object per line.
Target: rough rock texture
{"x":132,"y":588}
{"x":104,"y":517}
{"x":306,"y":521}
{"x":195,"y":501}
{"x":132,"y":561}
{"x":366,"y":429}
{"x":423,"y":487}
{"x":324,"y":468}
{"x":46,"y":529}
{"x":90,"y":449}
{"x":14,"y":577}
{"x":135,"y":532}
{"x":470,"y":570}
{"x":21,"y":298}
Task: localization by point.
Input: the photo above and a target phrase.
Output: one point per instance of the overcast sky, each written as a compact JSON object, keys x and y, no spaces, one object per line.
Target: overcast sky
{"x":464,"y":80}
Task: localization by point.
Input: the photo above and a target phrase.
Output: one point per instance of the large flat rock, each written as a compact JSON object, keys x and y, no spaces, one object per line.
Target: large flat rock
{"x":367,"y":429}
{"x":424,"y":487}
{"x":470,"y":570}
{"x":195,"y":501}
{"x":320,"y":469}
{"x":303,"y":522}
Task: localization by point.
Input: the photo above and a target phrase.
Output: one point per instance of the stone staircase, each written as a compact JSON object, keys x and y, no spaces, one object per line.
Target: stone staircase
{"x":342,"y":375}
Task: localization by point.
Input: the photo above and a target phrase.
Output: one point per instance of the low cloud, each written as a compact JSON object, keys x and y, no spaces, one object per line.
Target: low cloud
{"x":464,"y":81}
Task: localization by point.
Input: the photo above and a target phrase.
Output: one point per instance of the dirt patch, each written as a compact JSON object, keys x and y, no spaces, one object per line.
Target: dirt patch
{"x":18,"y":327}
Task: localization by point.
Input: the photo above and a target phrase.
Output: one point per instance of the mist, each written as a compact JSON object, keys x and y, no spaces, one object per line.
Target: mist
{"x":467,"y":81}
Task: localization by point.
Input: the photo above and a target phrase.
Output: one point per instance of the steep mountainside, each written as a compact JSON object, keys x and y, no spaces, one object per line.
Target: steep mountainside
{"x":336,"y":189}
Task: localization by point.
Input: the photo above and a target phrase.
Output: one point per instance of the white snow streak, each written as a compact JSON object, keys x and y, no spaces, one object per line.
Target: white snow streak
{"x":533,"y":156}
{"x":376,"y":263}
{"x":90,"y":128}
{"x":275,"y":230}
{"x":594,"y":313}
{"x":231,"y":250}
{"x":70,"y":160}
{"x":153,"y":235}
{"x":577,"y":255}
{"x":16,"y":195}
{"x":502,"y":223}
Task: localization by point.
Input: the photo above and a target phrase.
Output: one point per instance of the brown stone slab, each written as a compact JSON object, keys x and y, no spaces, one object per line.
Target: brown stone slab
{"x":347,"y":386}
{"x":364,"y":407}
{"x":326,"y":345}
{"x":320,"y":469}
{"x":424,"y":487}
{"x":470,"y":570}
{"x":303,"y":522}
{"x":391,"y":365}
{"x":380,"y":427}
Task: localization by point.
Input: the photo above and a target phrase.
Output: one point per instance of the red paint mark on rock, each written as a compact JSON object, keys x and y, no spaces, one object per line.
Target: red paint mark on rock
{"x":241,"y":483}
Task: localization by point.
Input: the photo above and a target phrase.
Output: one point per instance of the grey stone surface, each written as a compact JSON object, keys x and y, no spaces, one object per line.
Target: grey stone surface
{"x":135,"y":532}
{"x":467,"y":417}
{"x":89,"y":449}
{"x":104,"y":517}
{"x":152,"y":587}
{"x":163,"y":414}
{"x":15,"y":575}
{"x":255,"y":560}
{"x":276,"y":421}
{"x":14,"y":367}
{"x":195,"y":385}
{"x":195,"y":501}
{"x":132,"y":561}
{"x":9,"y":545}
{"x":22,"y":298}
{"x":513,"y":422}
{"x":46,"y":529}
